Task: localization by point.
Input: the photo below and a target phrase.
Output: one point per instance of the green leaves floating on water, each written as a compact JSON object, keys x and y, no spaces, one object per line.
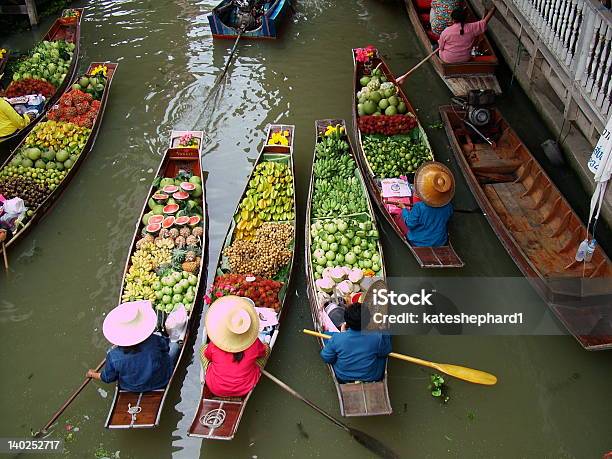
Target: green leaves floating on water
{"x":438,"y":388}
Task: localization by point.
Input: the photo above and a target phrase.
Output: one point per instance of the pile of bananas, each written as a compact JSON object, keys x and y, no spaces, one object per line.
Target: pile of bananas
{"x":338,"y":196}
{"x":326,"y":168}
{"x":269,"y":197}
{"x":141,"y":275}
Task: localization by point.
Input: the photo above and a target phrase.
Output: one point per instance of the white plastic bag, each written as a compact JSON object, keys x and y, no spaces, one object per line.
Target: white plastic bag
{"x":176,"y":324}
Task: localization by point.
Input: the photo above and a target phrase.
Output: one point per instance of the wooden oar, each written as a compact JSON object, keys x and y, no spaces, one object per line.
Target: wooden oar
{"x":231,"y":56}
{"x":371,"y":443}
{"x":67,"y":403}
{"x":402,"y":78}
{"x":5,"y":257}
{"x":467,"y":374}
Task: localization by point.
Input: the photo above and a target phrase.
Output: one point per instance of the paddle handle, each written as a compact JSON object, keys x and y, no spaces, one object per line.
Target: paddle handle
{"x":395,"y":355}
{"x":401,"y":79}
{"x":5,"y":257}
{"x":67,"y":403}
{"x":284,"y":386}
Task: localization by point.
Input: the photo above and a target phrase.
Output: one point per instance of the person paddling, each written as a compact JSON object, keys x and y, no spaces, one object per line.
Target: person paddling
{"x":456,"y":41}
{"x":140,"y":360}
{"x":428,"y":219}
{"x":356,"y":356}
{"x":233,"y":359}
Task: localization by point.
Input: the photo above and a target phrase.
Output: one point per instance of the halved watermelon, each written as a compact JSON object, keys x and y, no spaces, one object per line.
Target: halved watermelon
{"x":160,"y":198}
{"x":168,"y":222}
{"x":153,"y":228}
{"x":180,"y":195}
{"x":189,"y":187}
{"x":156,"y":219}
{"x":171,"y":209}
{"x":181,"y":221}
{"x":195,"y":220}
{"x":169,"y":189}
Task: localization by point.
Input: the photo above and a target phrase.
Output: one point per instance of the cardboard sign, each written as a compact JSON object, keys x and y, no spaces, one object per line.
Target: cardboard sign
{"x":395,"y":188}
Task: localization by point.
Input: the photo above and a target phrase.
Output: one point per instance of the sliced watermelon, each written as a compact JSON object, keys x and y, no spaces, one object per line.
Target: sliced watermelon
{"x":171,"y":209}
{"x":153,"y":228}
{"x":180,"y":195}
{"x":169,"y":189}
{"x":189,"y":187}
{"x":160,"y":198}
{"x":195,"y":220}
{"x":181,"y":221}
{"x":156,"y":219}
{"x":168,"y":222}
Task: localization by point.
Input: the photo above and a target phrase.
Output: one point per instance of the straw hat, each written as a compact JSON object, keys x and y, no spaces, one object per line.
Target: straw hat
{"x":130,"y":323}
{"x":232,"y":323}
{"x":434,"y":183}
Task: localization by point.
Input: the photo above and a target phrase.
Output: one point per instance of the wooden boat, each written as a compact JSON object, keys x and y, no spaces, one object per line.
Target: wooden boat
{"x":46,"y":205}
{"x":224,"y":20}
{"x":218,"y":418}
{"x":460,"y":78}
{"x":58,"y":31}
{"x":130,"y":410}
{"x":427,"y":257}
{"x":356,"y":399}
{"x":536,"y":225}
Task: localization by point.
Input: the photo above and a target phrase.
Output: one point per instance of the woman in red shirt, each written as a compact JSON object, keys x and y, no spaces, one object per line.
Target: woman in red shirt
{"x":233,"y":358}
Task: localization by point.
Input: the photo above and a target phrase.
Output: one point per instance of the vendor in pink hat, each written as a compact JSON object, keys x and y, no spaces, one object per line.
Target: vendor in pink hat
{"x":233,"y":358}
{"x":141,"y":360}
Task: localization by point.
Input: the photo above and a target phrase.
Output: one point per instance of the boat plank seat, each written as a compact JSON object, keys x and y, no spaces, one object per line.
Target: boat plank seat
{"x":225,"y":412}
{"x":463,"y":85}
{"x":367,"y":398}
{"x":148,"y":402}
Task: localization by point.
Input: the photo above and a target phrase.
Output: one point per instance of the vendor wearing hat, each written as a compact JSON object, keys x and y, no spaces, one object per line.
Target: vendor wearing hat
{"x":428,"y":219}
{"x":141,"y":360}
{"x":233,"y":358}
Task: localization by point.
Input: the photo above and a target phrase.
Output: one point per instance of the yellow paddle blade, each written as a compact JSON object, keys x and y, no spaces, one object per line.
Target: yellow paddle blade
{"x":467,"y":374}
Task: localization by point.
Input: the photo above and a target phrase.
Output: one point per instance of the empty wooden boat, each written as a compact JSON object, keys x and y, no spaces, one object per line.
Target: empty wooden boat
{"x":361,"y":398}
{"x":218,"y":418}
{"x":131,"y":410}
{"x":37,"y":212}
{"x":427,"y":257}
{"x":261,"y":22}
{"x":536,"y":225}
{"x":478,"y":73}
{"x":58,"y":31}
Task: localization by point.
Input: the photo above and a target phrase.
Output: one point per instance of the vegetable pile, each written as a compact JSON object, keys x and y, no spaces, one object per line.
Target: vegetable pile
{"x":263,"y":292}
{"x":341,"y":282}
{"x":269,"y":197}
{"x":168,"y":255}
{"x":48,"y":61}
{"x":337,"y":189}
{"x":393,"y":156}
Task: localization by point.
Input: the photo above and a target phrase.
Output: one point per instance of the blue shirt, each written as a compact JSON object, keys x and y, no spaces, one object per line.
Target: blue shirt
{"x":142,"y":371}
{"x":357,"y":356}
{"x":427,"y":225}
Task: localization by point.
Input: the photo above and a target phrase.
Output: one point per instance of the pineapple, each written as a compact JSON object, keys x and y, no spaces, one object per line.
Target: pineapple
{"x":178,"y":257}
{"x":180,"y":242}
{"x":192,"y":240}
{"x":185,"y":232}
{"x":193,"y":252}
{"x":190,"y":266}
{"x":174,"y":233}
{"x":198,"y":231}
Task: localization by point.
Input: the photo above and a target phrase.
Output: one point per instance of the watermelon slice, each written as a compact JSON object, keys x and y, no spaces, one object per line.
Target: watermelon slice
{"x":180,"y":195}
{"x":181,"y":221}
{"x":160,"y":198}
{"x":168,"y":222}
{"x":153,"y":228}
{"x":156,"y":219}
{"x":171,"y":209}
{"x":169,"y":189}
{"x":189,"y":187}
{"x":195,"y":220}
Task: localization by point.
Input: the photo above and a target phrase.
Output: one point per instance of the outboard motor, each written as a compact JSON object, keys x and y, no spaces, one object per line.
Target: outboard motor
{"x":478,"y":106}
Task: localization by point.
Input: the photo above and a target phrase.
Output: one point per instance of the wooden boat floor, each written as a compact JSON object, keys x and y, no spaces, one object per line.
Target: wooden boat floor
{"x":464,"y":84}
{"x":149,"y":402}
{"x":525,"y":223}
{"x":224,"y":411}
{"x":365,"y":399}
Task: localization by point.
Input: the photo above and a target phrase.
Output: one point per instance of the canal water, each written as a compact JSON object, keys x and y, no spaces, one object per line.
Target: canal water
{"x":552,"y":399}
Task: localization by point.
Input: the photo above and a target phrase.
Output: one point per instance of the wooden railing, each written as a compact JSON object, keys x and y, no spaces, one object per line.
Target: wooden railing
{"x":578,"y":33}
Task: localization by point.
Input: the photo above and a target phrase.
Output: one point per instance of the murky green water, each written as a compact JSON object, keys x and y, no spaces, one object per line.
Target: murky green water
{"x":552,"y":399}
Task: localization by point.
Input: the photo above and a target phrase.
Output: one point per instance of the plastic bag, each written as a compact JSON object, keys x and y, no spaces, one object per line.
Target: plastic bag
{"x":176,"y":324}
{"x":12,"y":210}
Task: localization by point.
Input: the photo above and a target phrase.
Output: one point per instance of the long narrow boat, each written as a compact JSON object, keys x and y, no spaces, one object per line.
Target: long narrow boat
{"x":536,"y":225}
{"x":356,"y":399}
{"x":225,"y":20}
{"x":79,"y":153}
{"x":478,"y":73}
{"x":427,"y":257}
{"x":216,"y":417}
{"x":182,"y":166}
{"x":58,"y":31}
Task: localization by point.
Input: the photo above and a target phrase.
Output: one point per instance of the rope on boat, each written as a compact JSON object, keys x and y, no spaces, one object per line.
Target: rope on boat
{"x":213,"y":419}
{"x":133,"y":411}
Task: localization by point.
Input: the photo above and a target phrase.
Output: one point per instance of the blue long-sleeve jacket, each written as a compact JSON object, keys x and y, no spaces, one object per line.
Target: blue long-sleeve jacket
{"x":357,"y":356}
{"x":427,"y":226}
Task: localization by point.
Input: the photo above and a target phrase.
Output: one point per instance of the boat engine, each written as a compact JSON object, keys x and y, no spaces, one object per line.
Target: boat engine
{"x":478,"y":106}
